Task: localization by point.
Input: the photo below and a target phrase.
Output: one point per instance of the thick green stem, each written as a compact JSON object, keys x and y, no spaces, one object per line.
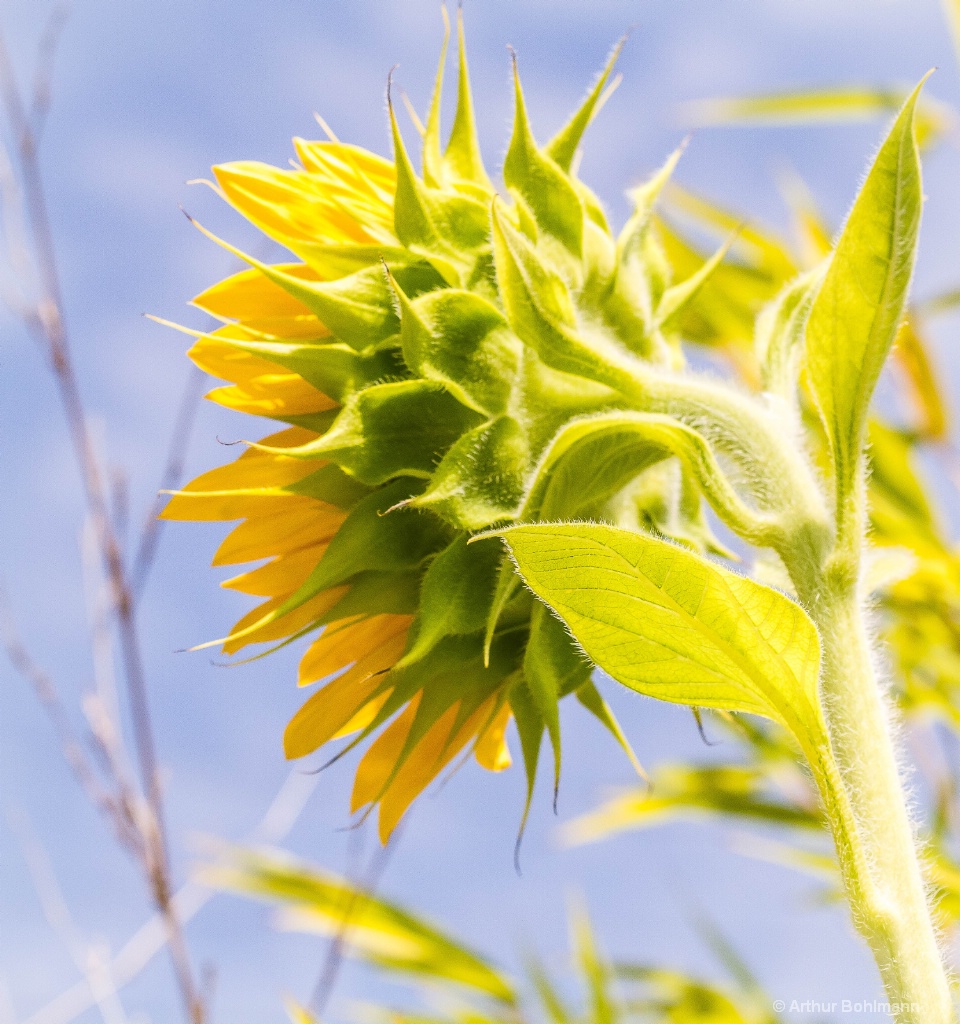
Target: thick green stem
{"x":762,"y":444}
{"x":856,"y":771}
{"x":878,"y":849}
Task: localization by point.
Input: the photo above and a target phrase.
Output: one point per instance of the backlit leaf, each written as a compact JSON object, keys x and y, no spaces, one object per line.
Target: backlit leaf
{"x":861,"y":302}
{"x":665,"y":622}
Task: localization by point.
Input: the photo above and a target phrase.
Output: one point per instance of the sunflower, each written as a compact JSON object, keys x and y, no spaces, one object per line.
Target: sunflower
{"x":439,"y":357}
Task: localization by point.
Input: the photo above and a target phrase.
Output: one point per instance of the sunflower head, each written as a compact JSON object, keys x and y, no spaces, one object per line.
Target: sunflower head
{"x":444,"y":357}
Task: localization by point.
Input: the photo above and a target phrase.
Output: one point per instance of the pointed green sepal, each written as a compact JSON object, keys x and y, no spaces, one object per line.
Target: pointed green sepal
{"x":462,"y":341}
{"x":455,"y":596}
{"x":676,"y":298}
{"x":541,"y":311}
{"x":563,"y":146}
{"x":480,"y":480}
{"x":444,"y":226}
{"x":390,"y":430}
{"x":508,"y":584}
{"x":433,"y":169}
{"x":462,"y":157}
{"x":357,"y":309}
{"x":552,"y":666}
{"x":544,"y":186}
{"x":591,"y":698}
{"x":530,"y":729}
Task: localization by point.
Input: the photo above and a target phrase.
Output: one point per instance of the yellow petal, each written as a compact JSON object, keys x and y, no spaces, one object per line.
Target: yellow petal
{"x":285,"y":625}
{"x":378,"y":762}
{"x":222,"y":506}
{"x":273,"y":394}
{"x":327,"y":714}
{"x":338,"y":647}
{"x":492,"y":751}
{"x":251,"y":295}
{"x":304,"y":522}
{"x":256,"y":468}
{"x":364,"y":716}
{"x":288,"y":328}
{"x":220,"y":358}
{"x":290,"y":206}
{"x":338,"y":161}
{"x":431,"y":755}
{"x":281,"y":576}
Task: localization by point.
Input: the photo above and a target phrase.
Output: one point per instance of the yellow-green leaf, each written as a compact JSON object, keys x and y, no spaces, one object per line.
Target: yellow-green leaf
{"x":667,"y":623}
{"x":860,"y":305}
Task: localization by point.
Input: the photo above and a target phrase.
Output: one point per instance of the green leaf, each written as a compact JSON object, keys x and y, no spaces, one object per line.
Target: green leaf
{"x":369,"y":927}
{"x":456,"y":595}
{"x":861,"y":302}
{"x":545,"y":188}
{"x":665,"y":622}
{"x":390,"y":430}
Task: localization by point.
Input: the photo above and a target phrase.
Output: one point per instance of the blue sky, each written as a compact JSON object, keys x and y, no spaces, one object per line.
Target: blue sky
{"x":148,"y":96}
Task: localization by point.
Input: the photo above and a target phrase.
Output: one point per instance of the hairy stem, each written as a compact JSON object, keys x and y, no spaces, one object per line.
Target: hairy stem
{"x":878,"y":854}
{"x":857,"y":774}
